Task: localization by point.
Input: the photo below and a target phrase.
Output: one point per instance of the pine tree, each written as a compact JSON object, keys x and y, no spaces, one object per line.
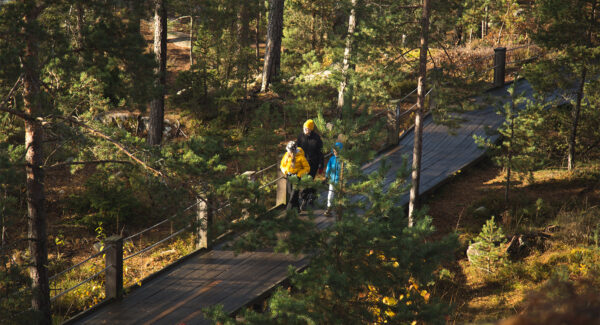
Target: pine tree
{"x":571,"y":28}
{"x":488,"y":252}
{"x":521,"y":133}
{"x":65,"y":72}
{"x":33,"y":105}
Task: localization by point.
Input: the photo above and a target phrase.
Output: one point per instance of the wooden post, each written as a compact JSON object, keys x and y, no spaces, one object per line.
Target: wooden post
{"x":281,"y":189}
{"x":114,"y":264}
{"x":203,"y":224}
{"x":499,"y":66}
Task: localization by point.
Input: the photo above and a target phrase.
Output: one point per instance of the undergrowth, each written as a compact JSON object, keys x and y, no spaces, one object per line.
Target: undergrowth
{"x":560,"y":207}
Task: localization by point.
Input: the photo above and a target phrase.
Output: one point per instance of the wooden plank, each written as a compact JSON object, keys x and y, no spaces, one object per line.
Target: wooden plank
{"x":220,"y":281}
{"x":233,"y":291}
{"x":143,"y":300}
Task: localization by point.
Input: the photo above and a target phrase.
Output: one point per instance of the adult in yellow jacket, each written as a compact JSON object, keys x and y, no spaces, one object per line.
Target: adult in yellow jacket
{"x":294,"y":163}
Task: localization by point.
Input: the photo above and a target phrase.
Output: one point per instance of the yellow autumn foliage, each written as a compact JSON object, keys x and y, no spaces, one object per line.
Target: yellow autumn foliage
{"x":390,"y":301}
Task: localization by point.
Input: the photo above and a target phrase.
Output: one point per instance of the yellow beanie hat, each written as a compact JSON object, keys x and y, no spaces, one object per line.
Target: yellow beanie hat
{"x":309,"y":124}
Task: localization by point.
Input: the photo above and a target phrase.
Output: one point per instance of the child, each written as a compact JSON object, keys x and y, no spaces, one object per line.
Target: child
{"x":333,"y":174}
{"x":294,"y":163}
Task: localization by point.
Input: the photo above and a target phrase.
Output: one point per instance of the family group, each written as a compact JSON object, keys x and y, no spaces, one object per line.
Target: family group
{"x":304,"y":158}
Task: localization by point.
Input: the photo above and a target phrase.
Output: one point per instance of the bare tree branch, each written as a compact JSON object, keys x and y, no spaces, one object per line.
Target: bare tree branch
{"x":14,"y":87}
{"x":401,"y":56}
{"x":20,"y":114}
{"x":445,"y":51}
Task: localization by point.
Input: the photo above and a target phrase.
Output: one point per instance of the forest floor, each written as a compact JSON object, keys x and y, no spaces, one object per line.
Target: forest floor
{"x":535,"y":205}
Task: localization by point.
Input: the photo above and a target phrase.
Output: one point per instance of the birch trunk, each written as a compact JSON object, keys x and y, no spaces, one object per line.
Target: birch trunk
{"x":347,"y":57}
{"x":157,"y":105}
{"x":418,"y":142}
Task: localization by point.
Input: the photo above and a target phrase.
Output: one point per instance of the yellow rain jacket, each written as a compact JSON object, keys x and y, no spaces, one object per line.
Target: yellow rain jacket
{"x":302,"y":167}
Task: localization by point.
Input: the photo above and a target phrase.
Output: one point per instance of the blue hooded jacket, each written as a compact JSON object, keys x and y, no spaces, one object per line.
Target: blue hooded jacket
{"x":333,"y":166}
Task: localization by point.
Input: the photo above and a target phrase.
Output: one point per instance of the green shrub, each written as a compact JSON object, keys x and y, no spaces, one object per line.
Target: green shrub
{"x":108,"y":200}
{"x":487,"y":249}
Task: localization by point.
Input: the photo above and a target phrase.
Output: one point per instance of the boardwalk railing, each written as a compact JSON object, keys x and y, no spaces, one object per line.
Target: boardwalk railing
{"x":204,"y":209}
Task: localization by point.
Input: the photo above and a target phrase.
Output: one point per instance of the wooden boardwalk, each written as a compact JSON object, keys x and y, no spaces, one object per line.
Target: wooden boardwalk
{"x":447,"y":151}
{"x":220,"y":277}
{"x":215,"y":277}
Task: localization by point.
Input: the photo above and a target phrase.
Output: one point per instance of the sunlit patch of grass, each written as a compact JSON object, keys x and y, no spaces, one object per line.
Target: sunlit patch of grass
{"x":84,"y":296}
{"x":134,"y":271}
{"x":145,"y":264}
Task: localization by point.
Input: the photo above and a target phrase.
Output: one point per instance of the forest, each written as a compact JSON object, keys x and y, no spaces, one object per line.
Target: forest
{"x":137,"y":133}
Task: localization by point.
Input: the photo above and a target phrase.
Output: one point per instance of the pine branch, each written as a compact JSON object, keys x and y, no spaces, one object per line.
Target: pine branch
{"x":93,"y":162}
{"x":95,"y":132}
{"x":57,"y":165}
{"x":114,"y":142}
{"x":22,"y":115}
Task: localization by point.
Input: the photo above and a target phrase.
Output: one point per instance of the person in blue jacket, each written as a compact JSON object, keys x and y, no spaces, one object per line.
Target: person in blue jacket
{"x":332,"y":173}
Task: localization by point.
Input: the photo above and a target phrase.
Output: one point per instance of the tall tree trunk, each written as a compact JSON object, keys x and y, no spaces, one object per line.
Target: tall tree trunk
{"x":575,"y":121}
{"x":484,"y":24}
{"x":313,"y":31}
{"x":134,"y":14}
{"x":243,"y":33}
{"x":79,"y":25}
{"x":580,"y":93}
{"x":33,"y":106}
{"x":271,"y":66}
{"x":243,"y":24}
{"x":257,"y":34}
{"x":347,"y":55}
{"x":191,"y":41}
{"x":157,"y":106}
{"x":458,"y":28}
{"x":418,"y":142}
{"x":510,"y":154}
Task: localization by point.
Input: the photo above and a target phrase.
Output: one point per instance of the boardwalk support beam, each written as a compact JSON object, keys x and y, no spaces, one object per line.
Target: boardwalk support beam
{"x":499,"y":66}
{"x":281,"y":189}
{"x":203,"y":224}
{"x":114,"y":267}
